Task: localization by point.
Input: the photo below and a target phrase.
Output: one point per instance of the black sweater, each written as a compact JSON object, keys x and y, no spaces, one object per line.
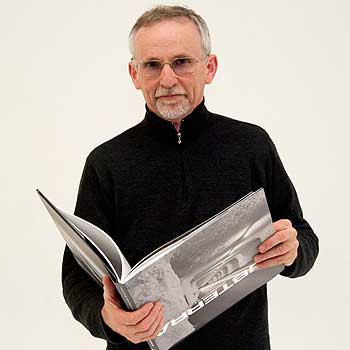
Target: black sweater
{"x":144,"y":188}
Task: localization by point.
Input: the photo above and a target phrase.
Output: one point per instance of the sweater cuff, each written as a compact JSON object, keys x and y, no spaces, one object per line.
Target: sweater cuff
{"x":288,"y":270}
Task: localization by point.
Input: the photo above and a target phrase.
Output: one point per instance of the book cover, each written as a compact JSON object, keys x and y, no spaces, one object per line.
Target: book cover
{"x":196,"y":277}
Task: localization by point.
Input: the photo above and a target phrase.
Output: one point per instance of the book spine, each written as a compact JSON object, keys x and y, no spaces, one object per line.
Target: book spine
{"x":130,"y":304}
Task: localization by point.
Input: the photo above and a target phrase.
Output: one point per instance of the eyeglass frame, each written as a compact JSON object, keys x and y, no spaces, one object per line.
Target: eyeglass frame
{"x":135,"y":63}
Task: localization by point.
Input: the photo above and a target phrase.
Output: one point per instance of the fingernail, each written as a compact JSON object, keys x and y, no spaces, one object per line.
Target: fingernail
{"x":149,"y":305}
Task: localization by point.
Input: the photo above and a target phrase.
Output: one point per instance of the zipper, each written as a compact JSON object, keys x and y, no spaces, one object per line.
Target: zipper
{"x":179,"y":137}
{"x":177,"y":127}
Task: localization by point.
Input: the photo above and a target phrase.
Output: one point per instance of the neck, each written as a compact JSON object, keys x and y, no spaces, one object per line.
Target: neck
{"x":177,"y":125}
{"x":186,"y":128}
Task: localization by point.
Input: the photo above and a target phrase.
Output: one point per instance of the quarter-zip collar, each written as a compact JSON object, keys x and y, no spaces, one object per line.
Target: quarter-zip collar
{"x":191,"y":126}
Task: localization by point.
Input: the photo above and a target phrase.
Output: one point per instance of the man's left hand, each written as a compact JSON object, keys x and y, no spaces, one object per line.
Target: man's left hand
{"x":280,"y":248}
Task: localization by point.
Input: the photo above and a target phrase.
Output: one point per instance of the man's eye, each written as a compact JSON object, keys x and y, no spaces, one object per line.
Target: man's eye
{"x":181,"y":62}
{"x":152,"y":65}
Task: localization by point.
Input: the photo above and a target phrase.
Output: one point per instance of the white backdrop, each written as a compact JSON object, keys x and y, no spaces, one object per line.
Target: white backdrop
{"x":64,"y":89}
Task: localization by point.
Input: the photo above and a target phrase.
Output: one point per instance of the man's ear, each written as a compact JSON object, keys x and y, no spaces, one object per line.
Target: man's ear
{"x":212,"y":66}
{"x":133,"y":75}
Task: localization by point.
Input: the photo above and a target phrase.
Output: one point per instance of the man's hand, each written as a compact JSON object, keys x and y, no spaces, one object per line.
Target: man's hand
{"x":137,"y":326}
{"x":280,"y":248}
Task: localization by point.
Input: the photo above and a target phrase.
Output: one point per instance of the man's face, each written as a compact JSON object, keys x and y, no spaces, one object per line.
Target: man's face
{"x":171,"y":96}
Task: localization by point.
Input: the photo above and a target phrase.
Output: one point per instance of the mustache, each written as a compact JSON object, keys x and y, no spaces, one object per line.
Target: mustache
{"x":166,"y":92}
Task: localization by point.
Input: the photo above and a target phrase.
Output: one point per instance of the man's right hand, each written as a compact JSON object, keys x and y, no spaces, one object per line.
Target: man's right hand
{"x":137,"y":326}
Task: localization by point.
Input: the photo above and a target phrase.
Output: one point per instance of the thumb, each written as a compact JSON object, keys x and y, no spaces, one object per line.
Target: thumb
{"x":109,"y":290}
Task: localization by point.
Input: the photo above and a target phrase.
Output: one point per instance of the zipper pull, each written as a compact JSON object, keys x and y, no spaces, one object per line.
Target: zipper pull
{"x":179,"y":137}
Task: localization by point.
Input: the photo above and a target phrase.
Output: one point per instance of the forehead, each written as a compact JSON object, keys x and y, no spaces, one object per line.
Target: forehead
{"x":167,"y":39}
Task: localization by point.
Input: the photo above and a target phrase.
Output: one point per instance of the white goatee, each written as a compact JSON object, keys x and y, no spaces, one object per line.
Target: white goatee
{"x":172,"y":110}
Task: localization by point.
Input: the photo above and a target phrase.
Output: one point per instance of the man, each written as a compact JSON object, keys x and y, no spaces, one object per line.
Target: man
{"x":176,"y":168}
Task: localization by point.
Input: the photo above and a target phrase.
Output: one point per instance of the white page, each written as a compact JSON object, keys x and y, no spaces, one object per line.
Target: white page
{"x":79,"y":244}
{"x":103,"y":242}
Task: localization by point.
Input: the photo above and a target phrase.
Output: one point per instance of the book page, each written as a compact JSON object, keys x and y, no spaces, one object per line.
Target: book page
{"x":93,"y":249}
{"x":103,"y":242}
{"x":84,"y":252}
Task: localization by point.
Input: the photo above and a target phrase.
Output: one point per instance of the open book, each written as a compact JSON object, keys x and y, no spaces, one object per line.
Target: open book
{"x":196,"y":276}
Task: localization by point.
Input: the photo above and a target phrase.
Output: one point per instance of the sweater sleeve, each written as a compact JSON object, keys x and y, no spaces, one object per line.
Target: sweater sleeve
{"x":284,"y":204}
{"x":82,"y":294}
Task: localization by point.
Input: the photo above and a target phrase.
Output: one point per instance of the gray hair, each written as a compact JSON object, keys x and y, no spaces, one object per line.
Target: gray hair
{"x":164,"y":12}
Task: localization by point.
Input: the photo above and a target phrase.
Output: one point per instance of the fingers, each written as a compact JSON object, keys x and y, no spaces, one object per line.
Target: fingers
{"x":108,"y":287}
{"x":159,"y":327}
{"x":139,"y":325}
{"x":154,"y":330}
{"x":155,"y":327}
{"x":280,"y":248}
{"x":148,"y":328}
{"x":109,"y":292}
{"x":282,"y":224}
{"x":283,"y":231}
{"x":285,"y":259}
{"x":132,"y":318}
{"x":150,"y":319}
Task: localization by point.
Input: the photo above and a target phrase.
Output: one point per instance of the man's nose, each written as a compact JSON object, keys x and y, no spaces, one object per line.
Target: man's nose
{"x":167,"y":76}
